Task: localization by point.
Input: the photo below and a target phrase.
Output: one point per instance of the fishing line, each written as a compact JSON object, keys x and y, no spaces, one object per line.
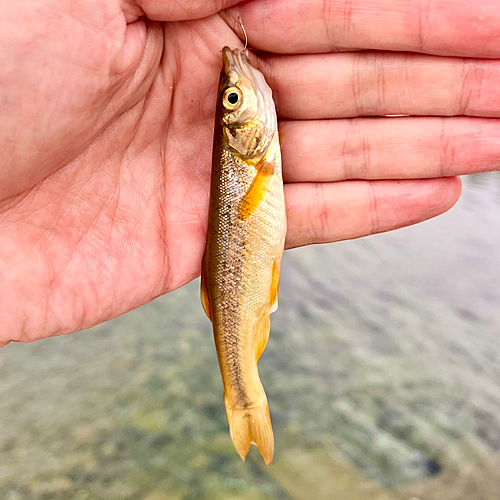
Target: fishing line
{"x":245,"y":33}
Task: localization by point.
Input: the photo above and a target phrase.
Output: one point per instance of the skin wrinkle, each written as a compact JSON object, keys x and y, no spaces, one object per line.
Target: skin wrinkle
{"x":348,"y":7}
{"x":109,"y":207}
{"x":52,"y":288}
{"x":135,"y":186}
{"x":424,"y":10}
{"x":354,"y":141}
{"x":381,"y":85}
{"x":78,"y":311}
{"x":145,"y":76}
{"x":126,"y":86}
{"x":327,"y":19}
{"x":407,"y":75}
{"x":443,"y":147}
{"x":479,"y":74}
{"x":472,"y":73}
{"x":175,"y":75}
{"x":32,"y":311}
{"x":356,"y":83}
{"x":365,"y":149}
{"x":121,"y":220}
{"x":163,"y":228}
{"x":373,"y":209}
{"x":321,"y":213}
{"x":346,"y":146}
{"x":56,"y":273}
{"x":90,"y":200}
{"x":201,"y":49}
{"x":448,"y":154}
{"x":103,"y":240}
{"x":113,"y":201}
{"x":163,"y":231}
{"x":465,"y":90}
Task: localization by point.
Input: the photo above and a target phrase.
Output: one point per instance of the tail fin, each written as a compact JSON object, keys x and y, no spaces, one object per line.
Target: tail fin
{"x":251,"y":425}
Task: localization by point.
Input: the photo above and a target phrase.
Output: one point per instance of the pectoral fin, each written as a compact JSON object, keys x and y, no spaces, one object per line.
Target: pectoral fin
{"x":257,"y":190}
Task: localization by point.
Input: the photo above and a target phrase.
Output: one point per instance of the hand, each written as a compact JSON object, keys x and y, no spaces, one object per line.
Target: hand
{"x":107,"y":121}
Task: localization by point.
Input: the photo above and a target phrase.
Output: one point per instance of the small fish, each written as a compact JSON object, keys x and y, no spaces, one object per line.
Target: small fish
{"x":245,"y":241}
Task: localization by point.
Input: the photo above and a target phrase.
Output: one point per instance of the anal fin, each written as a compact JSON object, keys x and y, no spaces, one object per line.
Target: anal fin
{"x":262,"y":335}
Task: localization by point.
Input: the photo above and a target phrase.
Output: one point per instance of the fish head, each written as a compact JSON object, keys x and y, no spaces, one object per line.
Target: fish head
{"x":246,"y":108}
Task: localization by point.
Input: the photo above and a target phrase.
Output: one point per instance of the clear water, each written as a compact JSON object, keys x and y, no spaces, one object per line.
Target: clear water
{"x":382,"y":372}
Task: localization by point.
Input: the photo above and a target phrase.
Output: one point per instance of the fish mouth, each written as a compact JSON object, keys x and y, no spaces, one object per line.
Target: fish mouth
{"x":234,"y":60}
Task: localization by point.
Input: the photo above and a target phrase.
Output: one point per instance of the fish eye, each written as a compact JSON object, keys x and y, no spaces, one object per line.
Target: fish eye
{"x":232,"y":97}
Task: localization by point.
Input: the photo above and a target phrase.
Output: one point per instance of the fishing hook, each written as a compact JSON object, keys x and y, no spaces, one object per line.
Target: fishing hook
{"x":245,"y":33}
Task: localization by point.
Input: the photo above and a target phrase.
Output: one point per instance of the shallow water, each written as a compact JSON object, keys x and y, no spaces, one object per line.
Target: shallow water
{"x":382,"y":373}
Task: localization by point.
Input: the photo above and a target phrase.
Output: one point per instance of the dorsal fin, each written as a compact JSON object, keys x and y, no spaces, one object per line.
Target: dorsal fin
{"x":205,"y":299}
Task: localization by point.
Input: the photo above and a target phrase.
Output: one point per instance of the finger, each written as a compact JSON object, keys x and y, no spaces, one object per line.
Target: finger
{"x":160,"y":10}
{"x":371,"y":83}
{"x":444,"y":27}
{"x":388,"y":148}
{"x":326,"y":212}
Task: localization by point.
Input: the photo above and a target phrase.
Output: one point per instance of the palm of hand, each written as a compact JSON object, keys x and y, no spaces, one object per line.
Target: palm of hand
{"x":105,"y":202}
{"x":123,"y":217}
